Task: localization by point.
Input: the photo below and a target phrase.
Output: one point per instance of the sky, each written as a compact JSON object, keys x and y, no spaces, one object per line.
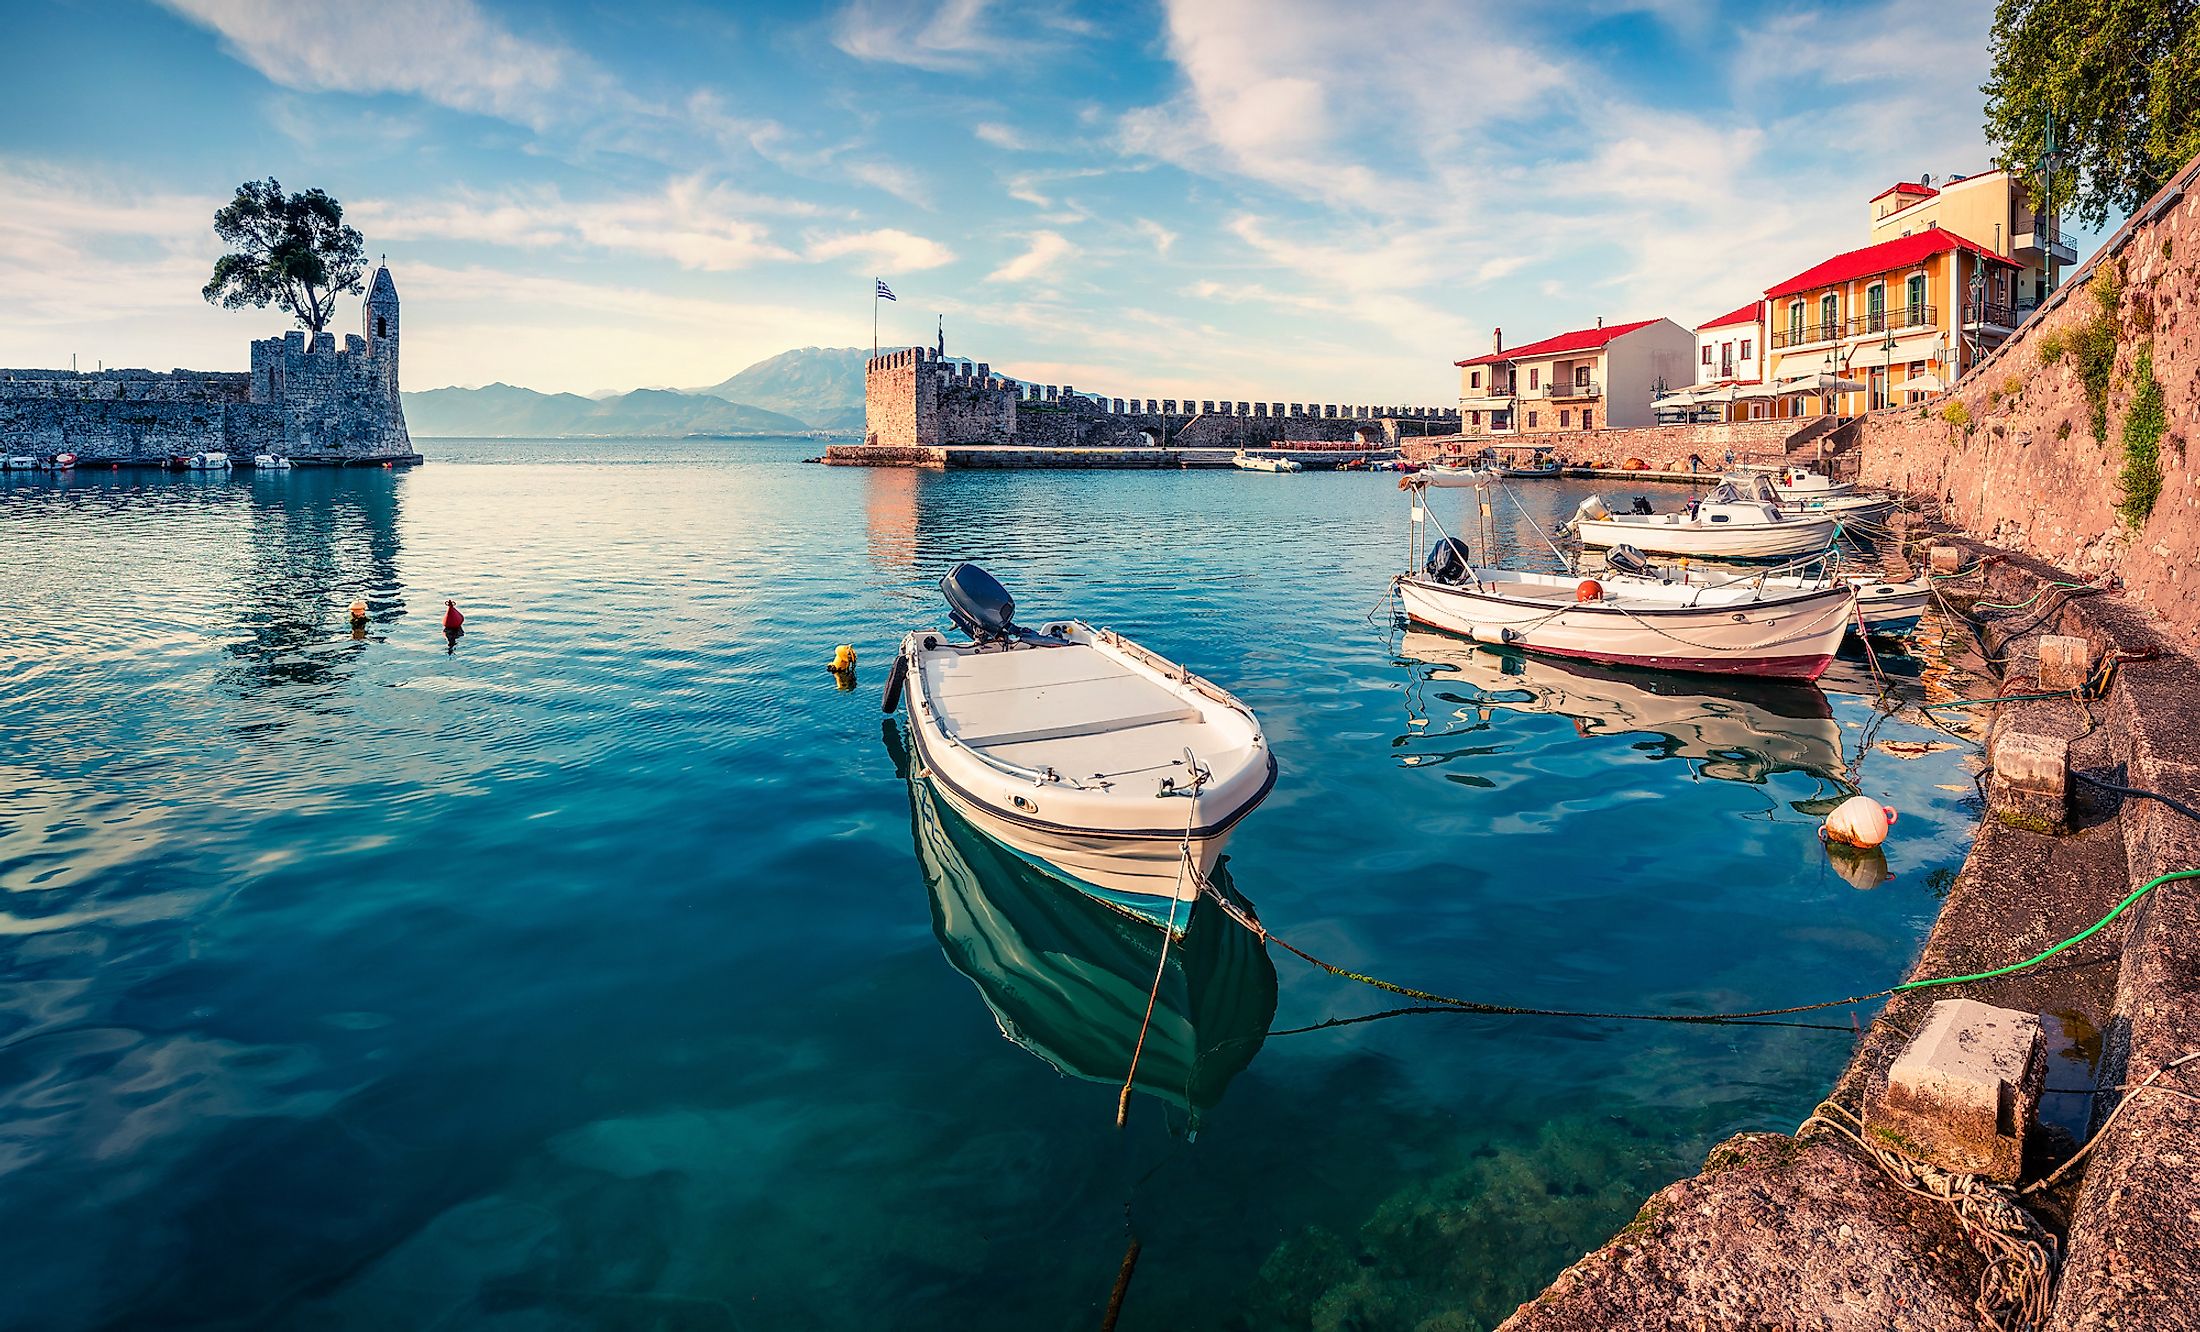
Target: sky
{"x":1259,"y":199}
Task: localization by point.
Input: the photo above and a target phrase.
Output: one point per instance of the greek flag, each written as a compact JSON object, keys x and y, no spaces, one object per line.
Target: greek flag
{"x":885,"y":293}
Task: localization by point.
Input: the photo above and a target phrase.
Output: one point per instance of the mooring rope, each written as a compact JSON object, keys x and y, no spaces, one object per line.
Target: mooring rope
{"x":1168,"y":936}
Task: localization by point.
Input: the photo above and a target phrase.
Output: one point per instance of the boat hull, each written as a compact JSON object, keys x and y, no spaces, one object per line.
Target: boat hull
{"x":1788,"y":639}
{"x":1748,"y":541}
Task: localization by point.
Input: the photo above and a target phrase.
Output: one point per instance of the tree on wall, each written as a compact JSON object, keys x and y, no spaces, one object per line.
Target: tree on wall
{"x":2122,"y":79}
{"x":289,"y":250}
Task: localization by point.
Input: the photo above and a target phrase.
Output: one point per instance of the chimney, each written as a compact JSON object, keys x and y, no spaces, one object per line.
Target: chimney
{"x":1497,"y":340}
{"x":1600,"y":321}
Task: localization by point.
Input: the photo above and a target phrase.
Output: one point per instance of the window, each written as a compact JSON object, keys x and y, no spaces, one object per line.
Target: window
{"x":1707,"y":353}
{"x":1829,"y":315}
{"x":1565,"y":417}
{"x":1913,"y":294}
{"x":1474,"y":418}
{"x":1875,"y":306}
{"x":1795,"y":322}
{"x":1747,"y":350}
{"x":1581,"y":376}
{"x":1474,"y":379}
{"x":1535,"y":378}
{"x":1531,"y":415}
{"x":1585,"y":415}
{"x":381,"y":327}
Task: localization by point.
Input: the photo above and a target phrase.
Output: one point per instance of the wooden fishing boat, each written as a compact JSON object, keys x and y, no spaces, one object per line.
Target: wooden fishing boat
{"x":1732,"y":630}
{"x":1728,"y":523}
{"x":1078,"y":749}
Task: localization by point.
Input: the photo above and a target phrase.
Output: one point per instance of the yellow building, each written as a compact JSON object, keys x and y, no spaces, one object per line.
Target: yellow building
{"x":1991,"y":208}
{"x":1899,"y":319}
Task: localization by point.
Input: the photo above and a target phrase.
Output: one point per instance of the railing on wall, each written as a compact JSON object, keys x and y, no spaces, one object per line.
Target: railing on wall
{"x":1896,"y":319}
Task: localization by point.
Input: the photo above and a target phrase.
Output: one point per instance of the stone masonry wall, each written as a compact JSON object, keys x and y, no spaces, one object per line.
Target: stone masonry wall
{"x":2011,"y":456}
{"x":915,"y":399}
{"x":1662,"y":448}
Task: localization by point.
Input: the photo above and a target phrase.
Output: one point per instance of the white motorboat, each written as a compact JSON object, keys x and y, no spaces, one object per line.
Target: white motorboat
{"x":1724,"y":524}
{"x":1731,"y":630}
{"x":1802,"y":483}
{"x":20,"y":462}
{"x":1262,"y":462}
{"x":1544,"y":469}
{"x":62,"y":462}
{"x":206,"y":462}
{"x":1079,"y":749}
{"x":1846,"y":506}
{"x":1886,"y":607}
{"x":270,"y":462}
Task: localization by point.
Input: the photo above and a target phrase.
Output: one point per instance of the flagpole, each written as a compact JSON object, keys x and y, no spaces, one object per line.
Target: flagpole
{"x":874,"y":318}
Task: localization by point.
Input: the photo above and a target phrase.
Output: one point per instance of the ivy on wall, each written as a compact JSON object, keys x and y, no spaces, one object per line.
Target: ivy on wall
{"x":2145,"y":421}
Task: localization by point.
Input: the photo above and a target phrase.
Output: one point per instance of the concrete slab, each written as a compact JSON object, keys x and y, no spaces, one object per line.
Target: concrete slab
{"x":2031,"y":788}
{"x":1963,"y":1092}
{"x":2063,"y":662}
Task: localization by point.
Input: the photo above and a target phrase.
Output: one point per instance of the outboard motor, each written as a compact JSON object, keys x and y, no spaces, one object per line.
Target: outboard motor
{"x":1642,"y":504}
{"x":978,"y":604}
{"x":1629,"y":560}
{"x":1448,"y":561}
{"x":1591,"y":510}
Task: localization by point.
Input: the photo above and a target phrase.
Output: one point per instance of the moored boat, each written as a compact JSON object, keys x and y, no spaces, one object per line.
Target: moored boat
{"x":19,"y":462}
{"x":1079,"y":749}
{"x":1727,"y":523}
{"x":1802,"y":483}
{"x":1732,"y":630}
{"x":270,"y":462}
{"x":1452,"y":474}
{"x":206,"y":462}
{"x":1261,"y":462}
{"x":1885,"y":606}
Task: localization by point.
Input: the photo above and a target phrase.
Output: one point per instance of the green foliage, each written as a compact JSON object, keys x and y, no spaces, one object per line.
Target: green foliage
{"x":2094,"y":341}
{"x":1955,"y":413}
{"x":2123,"y":80}
{"x":2053,"y":345}
{"x":292,"y":251}
{"x":2145,"y":421}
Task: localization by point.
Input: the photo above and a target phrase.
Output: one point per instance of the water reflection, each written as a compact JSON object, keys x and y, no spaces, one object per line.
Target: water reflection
{"x":317,"y":539}
{"x":1731,"y":730}
{"x":1067,"y":978}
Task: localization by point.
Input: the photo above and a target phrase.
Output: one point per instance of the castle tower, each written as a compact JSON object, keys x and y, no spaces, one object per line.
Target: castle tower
{"x":381,"y":319}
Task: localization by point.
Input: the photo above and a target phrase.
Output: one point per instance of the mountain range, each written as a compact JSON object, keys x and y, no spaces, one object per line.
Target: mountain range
{"x":809,"y":388}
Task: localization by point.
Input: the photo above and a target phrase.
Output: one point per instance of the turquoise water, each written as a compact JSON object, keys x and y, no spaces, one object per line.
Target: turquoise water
{"x":600,"y":969}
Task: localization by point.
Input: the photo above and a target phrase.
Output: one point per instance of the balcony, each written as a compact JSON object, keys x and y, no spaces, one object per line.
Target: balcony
{"x":1895,"y":320}
{"x":1990,"y":314}
{"x":1584,"y":388}
{"x":2039,"y":246}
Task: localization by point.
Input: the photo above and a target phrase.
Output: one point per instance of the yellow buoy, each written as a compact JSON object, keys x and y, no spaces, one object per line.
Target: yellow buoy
{"x":1858,"y":821}
{"x":844,"y":657}
{"x":359,"y":610}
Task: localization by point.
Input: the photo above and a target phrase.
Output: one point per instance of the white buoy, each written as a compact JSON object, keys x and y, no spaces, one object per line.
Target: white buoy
{"x":1858,"y":821}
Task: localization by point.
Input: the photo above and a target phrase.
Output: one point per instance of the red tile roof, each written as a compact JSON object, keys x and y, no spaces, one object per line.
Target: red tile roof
{"x":1906,"y":187}
{"x":1581,"y":339}
{"x":1901,"y":252}
{"x":1746,"y":315}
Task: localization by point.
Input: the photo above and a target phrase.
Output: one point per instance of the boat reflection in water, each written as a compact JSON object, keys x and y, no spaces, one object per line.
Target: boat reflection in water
{"x":1731,"y":729}
{"x":1067,"y":978}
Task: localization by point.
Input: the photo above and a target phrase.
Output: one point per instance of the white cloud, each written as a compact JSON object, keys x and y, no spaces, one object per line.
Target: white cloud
{"x":1047,"y":249}
{"x":691,"y":222}
{"x":446,"y":51}
{"x":1163,"y":239}
{"x":886,"y":250}
{"x":949,"y":36}
{"x":1001,"y":136}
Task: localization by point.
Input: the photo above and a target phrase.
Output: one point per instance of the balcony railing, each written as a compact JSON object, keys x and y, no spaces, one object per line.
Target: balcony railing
{"x":1901,"y":317}
{"x":1990,"y":312}
{"x":1583,"y":388}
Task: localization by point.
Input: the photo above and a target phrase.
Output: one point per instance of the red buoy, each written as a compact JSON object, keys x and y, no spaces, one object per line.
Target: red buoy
{"x":1589,"y":590}
{"x":453,"y":619}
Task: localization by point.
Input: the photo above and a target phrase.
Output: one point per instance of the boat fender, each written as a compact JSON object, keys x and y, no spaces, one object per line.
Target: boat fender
{"x":844,"y":658}
{"x":1493,"y":635}
{"x":1589,"y":589}
{"x":1858,"y":821}
{"x":895,"y":677}
{"x":358,"y":611}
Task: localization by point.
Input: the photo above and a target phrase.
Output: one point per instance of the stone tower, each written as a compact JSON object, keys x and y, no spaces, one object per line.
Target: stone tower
{"x":381,"y":318}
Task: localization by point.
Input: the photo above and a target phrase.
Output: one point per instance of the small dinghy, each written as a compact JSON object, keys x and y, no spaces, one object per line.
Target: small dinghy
{"x":1725,"y":524}
{"x":1733,"y":630}
{"x":1080,"y":750}
{"x":1264,"y":462}
{"x":206,"y":462}
{"x":270,"y":462}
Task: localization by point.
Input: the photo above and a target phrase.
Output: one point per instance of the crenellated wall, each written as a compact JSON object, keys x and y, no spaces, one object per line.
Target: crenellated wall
{"x":914,"y":399}
{"x":309,"y":401}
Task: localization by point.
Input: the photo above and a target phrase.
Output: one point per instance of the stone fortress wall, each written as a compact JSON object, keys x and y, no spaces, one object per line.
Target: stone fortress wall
{"x":309,"y":401}
{"x":915,"y":399}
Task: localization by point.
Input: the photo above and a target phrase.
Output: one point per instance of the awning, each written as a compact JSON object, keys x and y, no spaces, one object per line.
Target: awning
{"x":1927,"y":383}
{"x":1812,"y":384}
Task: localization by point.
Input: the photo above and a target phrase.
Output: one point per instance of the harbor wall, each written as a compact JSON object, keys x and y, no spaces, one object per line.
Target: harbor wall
{"x":312,"y":401}
{"x":1661,"y":448}
{"x":2018,"y":456}
{"x":915,"y":399}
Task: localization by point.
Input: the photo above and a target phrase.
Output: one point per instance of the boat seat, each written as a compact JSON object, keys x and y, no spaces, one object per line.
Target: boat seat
{"x":1012,"y":698}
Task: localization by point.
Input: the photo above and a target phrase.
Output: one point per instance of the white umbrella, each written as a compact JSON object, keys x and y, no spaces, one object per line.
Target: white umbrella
{"x":1923,"y":384}
{"x":1819,"y":383}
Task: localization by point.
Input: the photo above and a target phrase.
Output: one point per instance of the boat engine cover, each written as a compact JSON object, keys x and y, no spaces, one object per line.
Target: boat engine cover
{"x":1448,"y":561}
{"x":978,"y":604}
{"x":1628,"y":560}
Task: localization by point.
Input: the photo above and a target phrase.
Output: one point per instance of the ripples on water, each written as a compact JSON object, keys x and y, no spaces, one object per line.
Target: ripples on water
{"x":591,"y":971}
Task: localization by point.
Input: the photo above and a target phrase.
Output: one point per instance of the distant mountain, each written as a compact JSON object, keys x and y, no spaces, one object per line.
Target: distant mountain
{"x":505,"y":410}
{"x":817,"y":384}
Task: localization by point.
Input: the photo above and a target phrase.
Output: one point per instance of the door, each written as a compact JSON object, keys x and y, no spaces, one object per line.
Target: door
{"x":1875,"y":306}
{"x":1878,"y":384}
{"x":1915,"y":295}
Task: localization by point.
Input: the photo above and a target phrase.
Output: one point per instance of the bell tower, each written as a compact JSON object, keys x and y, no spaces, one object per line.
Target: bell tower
{"x":381,"y":318}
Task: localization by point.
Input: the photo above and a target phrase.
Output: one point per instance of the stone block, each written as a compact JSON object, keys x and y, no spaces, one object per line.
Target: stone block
{"x":2063,"y":663}
{"x":1945,"y":559}
{"x":2031,"y":787}
{"x":1963,"y":1092}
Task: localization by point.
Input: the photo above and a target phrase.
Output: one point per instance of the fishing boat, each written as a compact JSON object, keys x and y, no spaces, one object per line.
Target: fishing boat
{"x":1067,"y":979}
{"x":1846,"y":506}
{"x":62,"y":462}
{"x":206,"y":462}
{"x":270,"y":462}
{"x":1886,"y":607}
{"x":1080,"y":750}
{"x":1544,"y":469}
{"x":1731,"y":630}
{"x":1726,"y":523}
{"x":1262,"y":462}
{"x":1725,"y":728}
{"x":20,"y":462}
{"x":1801,"y":482}
{"x":1452,"y":474}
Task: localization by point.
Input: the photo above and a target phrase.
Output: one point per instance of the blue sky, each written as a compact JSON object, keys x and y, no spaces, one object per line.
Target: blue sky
{"x":1243,"y":198}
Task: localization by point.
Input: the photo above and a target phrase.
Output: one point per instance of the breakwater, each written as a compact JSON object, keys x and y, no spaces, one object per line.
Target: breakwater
{"x":308,"y":400}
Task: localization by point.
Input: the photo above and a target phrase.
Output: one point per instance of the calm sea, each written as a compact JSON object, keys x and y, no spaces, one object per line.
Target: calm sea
{"x":599,"y":969}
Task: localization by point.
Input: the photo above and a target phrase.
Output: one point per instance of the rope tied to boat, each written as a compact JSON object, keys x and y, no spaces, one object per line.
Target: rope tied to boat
{"x":1168,"y":936}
